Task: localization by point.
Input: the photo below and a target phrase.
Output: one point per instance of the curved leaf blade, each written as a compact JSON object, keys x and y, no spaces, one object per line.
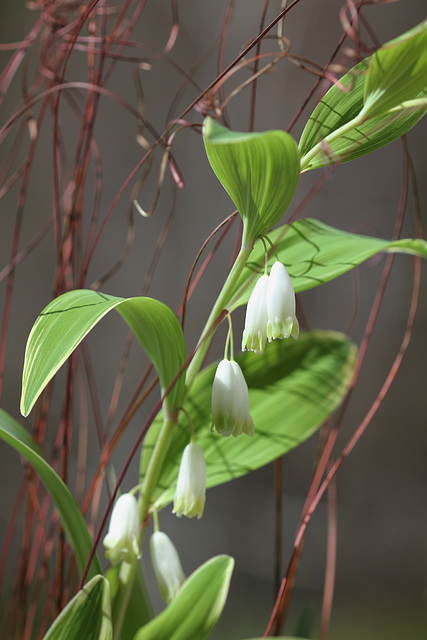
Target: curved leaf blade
{"x":67,"y":320}
{"x":196,"y":608}
{"x":293,"y":387}
{"x":259,"y":171}
{"x":337,"y":109}
{"x":72,"y":520}
{"x":87,"y":615}
{"x":315,"y":253}
{"x":397,"y":71}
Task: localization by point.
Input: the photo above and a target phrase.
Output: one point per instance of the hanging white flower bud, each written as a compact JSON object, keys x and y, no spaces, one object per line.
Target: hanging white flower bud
{"x":166,"y":565}
{"x":282,"y":321}
{"x":230,"y":401}
{"x":190,"y":495}
{"x":121,"y":540}
{"x":255,"y":332}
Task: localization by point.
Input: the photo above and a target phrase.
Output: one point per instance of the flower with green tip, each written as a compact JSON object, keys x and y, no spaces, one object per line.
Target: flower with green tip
{"x":166,"y":565}
{"x":270,"y":313}
{"x":230,"y":401}
{"x":255,"y":331}
{"x":282,"y":321}
{"x":121,"y":541}
{"x":190,"y":495}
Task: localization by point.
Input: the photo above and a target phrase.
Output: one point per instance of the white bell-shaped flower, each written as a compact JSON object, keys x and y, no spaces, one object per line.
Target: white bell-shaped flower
{"x":190,"y":495}
{"x":166,"y":565}
{"x":282,"y":321}
{"x":121,"y":541}
{"x":230,"y":401}
{"x":255,"y":331}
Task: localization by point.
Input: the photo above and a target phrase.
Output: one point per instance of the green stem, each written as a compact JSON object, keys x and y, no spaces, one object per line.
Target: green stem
{"x":155,"y":466}
{"x":220,"y":304}
{"x":349,"y":126}
{"x":127,"y":571}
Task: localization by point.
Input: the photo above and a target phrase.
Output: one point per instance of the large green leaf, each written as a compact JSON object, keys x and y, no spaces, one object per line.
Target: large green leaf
{"x":72,"y":520}
{"x":293,"y":387}
{"x":196,"y":608}
{"x":315,"y":253}
{"x":87,"y":616}
{"x":259,"y":171}
{"x":337,"y":109}
{"x":68,"y":319}
{"x":397,"y":71}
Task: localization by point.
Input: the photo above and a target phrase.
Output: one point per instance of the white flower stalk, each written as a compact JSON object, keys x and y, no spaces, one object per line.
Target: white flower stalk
{"x":121,"y":541}
{"x":166,"y":565}
{"x":230,"y":401}
{"x":255,"y":332}
{"x":190,"y":495}
{"x":282,"y":321}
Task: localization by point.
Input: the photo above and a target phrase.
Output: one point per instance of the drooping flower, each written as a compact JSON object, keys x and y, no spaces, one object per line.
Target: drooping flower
{"x":282,"y":321}
{"x":270,"y":312}
{"x":255,"y":331}
{"x":166,"y":565}
{"x":190,"y":495}
{"x":230,"y":401}
{"x":121,"y":541}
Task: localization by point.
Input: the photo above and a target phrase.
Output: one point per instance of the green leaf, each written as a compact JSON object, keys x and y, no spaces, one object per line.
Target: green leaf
{"x":72,"y":520}
{"x":196,"y":608}
{"x":87,"y":616}
{"x":330,"y":121}
{"x":67,"y":320}
{"x":259,"y":171}
{"x":397,"y":71}
{"x":315,"y":253}
{"x":293,"y":387}
{"x":138,"y":611}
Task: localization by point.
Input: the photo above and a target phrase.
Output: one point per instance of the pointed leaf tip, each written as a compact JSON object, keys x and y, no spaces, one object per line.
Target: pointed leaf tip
{"x":259,"y":171}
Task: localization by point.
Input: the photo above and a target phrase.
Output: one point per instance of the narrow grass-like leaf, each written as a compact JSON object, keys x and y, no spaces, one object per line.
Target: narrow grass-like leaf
{"x":64,"y":323}
{"x":72,"y":520}
{"x":320,"y":145}
{"x":196,"y":608}
{"x":293,"y":387}
{"x":397,"y":71}
{"x":259,"y":171}
{"x":315,"y":253}
{"x":87,"y":616}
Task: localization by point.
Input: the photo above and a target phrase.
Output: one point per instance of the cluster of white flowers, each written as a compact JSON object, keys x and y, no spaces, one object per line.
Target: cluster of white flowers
{"x":270,"y":314}
{"x":271,"y":310}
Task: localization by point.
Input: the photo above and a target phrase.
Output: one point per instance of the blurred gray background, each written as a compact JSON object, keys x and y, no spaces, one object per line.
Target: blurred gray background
{"x":381,"y":577}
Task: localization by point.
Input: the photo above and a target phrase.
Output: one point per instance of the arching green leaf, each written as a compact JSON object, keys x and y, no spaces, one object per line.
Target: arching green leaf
{"x":72,"y":520}
{"x":293,"y":387}
{"x":259,"y":171}
{"x":64,"y":323}
{"x":196,"y":608}
{"x":315,"y":253}
{"x":337,"y":109}
{"x":397,"y":71}
{"x":87,"y":616}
